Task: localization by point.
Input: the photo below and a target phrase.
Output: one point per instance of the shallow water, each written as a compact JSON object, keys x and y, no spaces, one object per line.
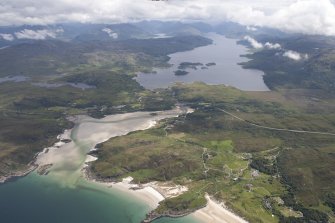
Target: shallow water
{"x":38,"y":199}
{"x":64,"y":196}
{"x":226,"y":53}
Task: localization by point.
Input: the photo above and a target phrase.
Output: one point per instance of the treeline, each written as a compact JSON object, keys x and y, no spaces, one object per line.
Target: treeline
{"x":309,"y":215}
{"x":264,"y":166}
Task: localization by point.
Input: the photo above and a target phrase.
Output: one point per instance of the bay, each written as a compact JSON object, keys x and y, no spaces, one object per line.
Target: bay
{"x":64,"y":195}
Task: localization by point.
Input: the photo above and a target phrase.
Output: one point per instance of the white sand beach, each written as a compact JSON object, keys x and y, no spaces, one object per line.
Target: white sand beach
{"x":154,"y":192}
{"x":70,"y":159}
{"x":147,"y":194}
{"x":216,"y":213}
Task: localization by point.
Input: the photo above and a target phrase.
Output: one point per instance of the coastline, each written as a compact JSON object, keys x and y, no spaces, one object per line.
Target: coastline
{"x":144,"y":193}
{"x":34,"y":165}
{"x":154,"y":192}
{"x":18,"y":174}
{"x":151,"y":193}
{"x":215,"y":212}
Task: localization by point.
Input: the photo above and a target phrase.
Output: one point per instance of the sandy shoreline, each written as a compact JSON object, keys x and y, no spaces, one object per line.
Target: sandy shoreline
{"x":216,"y":213}
{"x":90,"y":132}
{"x":63,"y":154}
{"x":144,"y":193}
{"x":154,"y":192}
{"x":18,"y":174}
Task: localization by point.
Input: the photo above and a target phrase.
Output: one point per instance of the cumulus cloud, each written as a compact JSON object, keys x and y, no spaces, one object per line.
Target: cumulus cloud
{"x":304,"y":16}
{"x":301,"y":16}
{"x":6,"y":36}
{"x":257,"y":45}
{"x":40,"y":34}
{"x":275,"y":46}
{"x":251,"y":28}
{"x":254,"y":43}
{"x":111,"y":33}
{"x":295,"y":55}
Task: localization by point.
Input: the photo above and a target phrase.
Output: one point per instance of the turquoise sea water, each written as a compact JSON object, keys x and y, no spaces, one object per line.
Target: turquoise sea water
{"x":64,"y":196}
{"x":37,"y":199}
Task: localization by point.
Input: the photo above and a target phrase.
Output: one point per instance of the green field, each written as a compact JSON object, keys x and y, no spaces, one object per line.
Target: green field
{"x":210,"y":151}
{"x":264,"y":175}
{"x":32,"y":116}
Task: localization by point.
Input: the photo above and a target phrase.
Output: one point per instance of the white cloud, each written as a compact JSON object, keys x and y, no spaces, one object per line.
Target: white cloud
{"x":275,"y":46}
{"x":40,"y":34}
{"x":257,"y":45}
{"x":111,"y":33}
{"x":254,"y":43}
{"x":305,"y":16}
{"x":5,"y":36}
{"x":251,"y":28}
{"x":295,"y":55}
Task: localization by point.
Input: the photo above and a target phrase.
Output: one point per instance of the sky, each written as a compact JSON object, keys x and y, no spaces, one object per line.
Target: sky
{"x":303,"y":16}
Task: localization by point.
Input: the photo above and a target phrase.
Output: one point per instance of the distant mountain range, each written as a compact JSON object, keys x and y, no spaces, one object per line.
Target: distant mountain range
{"x":146,"y":29}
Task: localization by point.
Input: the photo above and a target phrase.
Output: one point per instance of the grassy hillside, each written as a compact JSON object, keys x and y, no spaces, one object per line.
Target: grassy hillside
{"x":315,"y":72}
{"x":263,"y":174}
{"x":210,"y":151}
{"x":32,"y":115}
{"x":49,"y":57}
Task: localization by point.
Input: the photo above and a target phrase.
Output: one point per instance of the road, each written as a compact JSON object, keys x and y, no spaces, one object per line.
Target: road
{"x":275,"y":129}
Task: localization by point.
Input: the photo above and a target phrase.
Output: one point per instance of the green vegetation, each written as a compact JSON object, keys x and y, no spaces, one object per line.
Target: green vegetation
{"x":210,"y":64}
{"x":155,"y":163}
{"x":330,"y":201}
{"x":219,"y":154}
{"x":315,"y":72}
{"x":32,"y":116}
{"x":24,"y":135}
{"x":183,"y":203}
{"x":180,"y":72}
{"x":189,"y":65}
{"x":265,"y":175}
{"x":45,"y":58}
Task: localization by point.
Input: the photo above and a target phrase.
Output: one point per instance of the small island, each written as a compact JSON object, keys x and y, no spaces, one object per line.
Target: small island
{"x":189,"y":65}
{"x":210,"y":64}
{"x":180,"y":72}
{"x":195,"y":66}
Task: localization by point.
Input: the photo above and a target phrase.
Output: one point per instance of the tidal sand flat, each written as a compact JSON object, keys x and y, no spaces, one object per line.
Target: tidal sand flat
{"x":68,"y":159}
{"x":63,"y":185}
{"x":64,"y":195}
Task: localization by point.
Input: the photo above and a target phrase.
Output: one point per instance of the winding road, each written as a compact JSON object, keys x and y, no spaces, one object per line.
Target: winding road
{"x":275,"y":129}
